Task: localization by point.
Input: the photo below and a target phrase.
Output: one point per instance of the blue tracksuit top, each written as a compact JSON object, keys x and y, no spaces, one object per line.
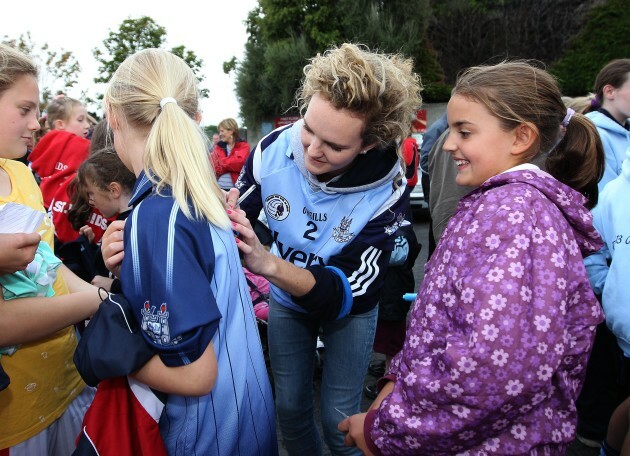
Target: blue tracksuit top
{"x":185,"y":283}
{"x":615,"y":139}
{"x":608,"y":268}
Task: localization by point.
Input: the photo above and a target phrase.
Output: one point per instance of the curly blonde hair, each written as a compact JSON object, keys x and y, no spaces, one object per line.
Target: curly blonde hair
{"x":380,"y":88}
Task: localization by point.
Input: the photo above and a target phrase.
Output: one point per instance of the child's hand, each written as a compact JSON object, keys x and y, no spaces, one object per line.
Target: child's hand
{"x":17,"y":251}
{"x":102,"y":282}
{"x":87,"y":232}
{"x":112,"y":246}
{"x":353,"y":428}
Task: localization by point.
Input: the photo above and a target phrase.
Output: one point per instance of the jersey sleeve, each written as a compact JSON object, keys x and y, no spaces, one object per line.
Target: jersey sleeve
{"x":351,"y":280}
{"x":168,"y":268}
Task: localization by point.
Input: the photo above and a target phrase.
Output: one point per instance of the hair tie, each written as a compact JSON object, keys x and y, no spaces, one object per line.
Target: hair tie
{"x":595,"y":103}
{"x":167,"y":100}
{"x":567,"y":118}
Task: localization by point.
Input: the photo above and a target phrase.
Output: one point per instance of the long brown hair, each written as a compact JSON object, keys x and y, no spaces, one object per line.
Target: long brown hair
{"x":518,"y":92}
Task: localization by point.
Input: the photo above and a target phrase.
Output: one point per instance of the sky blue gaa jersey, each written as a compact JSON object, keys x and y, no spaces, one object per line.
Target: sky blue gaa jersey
{"x":311,"y":221}
{"x":186,"y":285}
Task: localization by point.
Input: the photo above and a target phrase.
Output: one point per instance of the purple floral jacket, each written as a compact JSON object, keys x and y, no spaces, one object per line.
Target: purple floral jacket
{"x":500,"y":333}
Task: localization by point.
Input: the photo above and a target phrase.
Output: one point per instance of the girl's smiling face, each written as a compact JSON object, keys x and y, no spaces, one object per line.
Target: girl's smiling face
{"x":480,"y":147}
{"x":19,"y":112}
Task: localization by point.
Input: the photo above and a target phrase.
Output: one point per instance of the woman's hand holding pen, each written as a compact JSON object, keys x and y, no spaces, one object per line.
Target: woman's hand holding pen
{"x":231,"y":198}
{"x":254,"y":253}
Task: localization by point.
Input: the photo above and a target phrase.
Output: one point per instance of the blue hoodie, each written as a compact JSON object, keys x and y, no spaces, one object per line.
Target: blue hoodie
{"x":611,"y":217}
{"x":616,"y":139}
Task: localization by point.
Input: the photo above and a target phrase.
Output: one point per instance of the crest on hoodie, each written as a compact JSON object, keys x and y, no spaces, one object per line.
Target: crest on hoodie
{"x":155,"y":325}
{"x":391,"y":229}
{"x":342,"y":232}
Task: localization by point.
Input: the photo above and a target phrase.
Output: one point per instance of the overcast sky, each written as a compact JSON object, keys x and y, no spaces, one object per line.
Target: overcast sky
{"x":214,"y":32}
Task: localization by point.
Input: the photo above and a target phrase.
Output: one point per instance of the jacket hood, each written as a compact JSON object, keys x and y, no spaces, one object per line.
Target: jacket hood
{"x":604,"y":122}
{"x":568,"y":201}
{"x":58,"y":146}
{"x":370,"y":170}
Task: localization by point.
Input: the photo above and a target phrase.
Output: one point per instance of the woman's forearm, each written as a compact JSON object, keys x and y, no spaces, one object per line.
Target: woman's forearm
{"x":290,"y":278}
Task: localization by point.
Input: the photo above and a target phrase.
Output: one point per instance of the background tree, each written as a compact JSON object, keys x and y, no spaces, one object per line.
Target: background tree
{"x":284,"y":34}
{"x":472,"y":32}
{"x":398,"y":26}
{"x":604,"y":37}
{"x":59,"y":69}
{"x":134,"y":35}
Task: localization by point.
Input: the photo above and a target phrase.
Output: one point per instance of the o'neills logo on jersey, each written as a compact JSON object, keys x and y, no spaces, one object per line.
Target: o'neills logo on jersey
{"x":277,"y":207}
{"x":342,"y":232}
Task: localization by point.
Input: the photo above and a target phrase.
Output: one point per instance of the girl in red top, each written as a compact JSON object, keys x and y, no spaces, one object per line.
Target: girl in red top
{"x":63,"y":148}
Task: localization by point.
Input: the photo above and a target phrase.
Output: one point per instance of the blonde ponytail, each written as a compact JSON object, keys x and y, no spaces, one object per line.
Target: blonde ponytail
{"x":176,"y":151}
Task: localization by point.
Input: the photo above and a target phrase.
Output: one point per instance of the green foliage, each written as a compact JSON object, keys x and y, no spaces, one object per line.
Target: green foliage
{"x":443,"y":37}
{"x":396,"y":27}
{"x":284,"y":61}
{"x":473,"y":32}
{"x":266,"y":81}
{"x":195,"y":64}
{"x":315,"y":21}
{"x":131,"y":36}
{"x":436,"y":92}
{"x":284,"y":34}
{"x":210,"y":130}
{"x":134,"y":35}
{"x":603,"y":38}
{"x":229,"y":65}
{"x":249,"y":84}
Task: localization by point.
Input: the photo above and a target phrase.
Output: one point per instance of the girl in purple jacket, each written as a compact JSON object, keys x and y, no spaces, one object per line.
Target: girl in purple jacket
{"x":500,"y":333}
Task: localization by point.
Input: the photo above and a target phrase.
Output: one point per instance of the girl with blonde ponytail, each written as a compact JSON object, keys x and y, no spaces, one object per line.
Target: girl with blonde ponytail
{"x":182,"y":275}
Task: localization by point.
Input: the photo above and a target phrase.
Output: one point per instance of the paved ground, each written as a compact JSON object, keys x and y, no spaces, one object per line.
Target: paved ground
{"x":421,"y":228}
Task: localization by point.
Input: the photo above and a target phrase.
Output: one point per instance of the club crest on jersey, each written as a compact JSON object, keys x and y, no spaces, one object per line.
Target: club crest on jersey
{"x":342,"y":232}
{"x":155,"y":325}
{"x":277,"y":207}
{"x":389,"y":230}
